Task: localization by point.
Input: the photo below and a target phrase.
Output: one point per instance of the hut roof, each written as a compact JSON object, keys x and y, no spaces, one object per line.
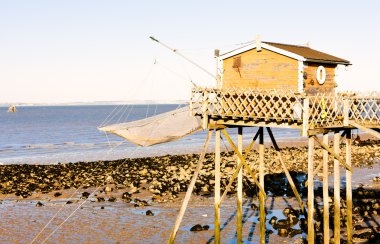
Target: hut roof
{"x":302,"y":53}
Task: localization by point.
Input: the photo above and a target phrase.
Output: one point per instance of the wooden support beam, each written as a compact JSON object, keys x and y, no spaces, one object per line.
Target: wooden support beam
{"x":261,"y":179}
{"x":310,"y":192}
{"x":217,"y":188}
{"x":239,"y":223}
{"x":349,"y":186}
{"x":332,"y":152}
{"x":325,"y":192}
{"x":243,"y":160}
{"x":190,"y":189}
{"x":336,"y":189}
{"x":237,"y":170}
{"x":365,"y":129}
{"x":291,"y":182}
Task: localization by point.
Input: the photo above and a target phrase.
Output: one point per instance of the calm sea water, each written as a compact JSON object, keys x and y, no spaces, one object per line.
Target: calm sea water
{"x":52,"y":134}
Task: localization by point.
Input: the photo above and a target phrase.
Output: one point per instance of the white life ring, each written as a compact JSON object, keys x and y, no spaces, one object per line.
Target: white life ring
{"x":321,"y":75}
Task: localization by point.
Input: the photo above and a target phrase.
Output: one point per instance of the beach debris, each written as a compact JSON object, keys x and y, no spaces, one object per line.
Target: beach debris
{"x":140,"y":203}
{"x":108,"y":189}
{"x":109,"y":179}
{"x":85,"y":194}
{"x":206,"y":227}
{"x":149,"y":213}
{"x":100,"y":199}
{"x":57,"y":194}
{"x":196,"y":227}
{"x":39,"y":204}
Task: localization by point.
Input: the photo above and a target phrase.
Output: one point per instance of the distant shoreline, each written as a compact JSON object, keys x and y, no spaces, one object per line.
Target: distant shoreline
{"x":97,"y":103}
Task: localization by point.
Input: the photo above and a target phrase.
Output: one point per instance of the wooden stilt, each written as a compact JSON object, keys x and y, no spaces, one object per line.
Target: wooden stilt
{"x":237,"y":170}
{"x":326,"y":226}
{"x":310,"y":192}
{"x":261,"y":179}
{"x":217,"y":188}
{"x":288,"y":176}
{"x":253,"y":175}
{"x":239,"y":227}
{"x":190,"y":189}
{"x":336,"y":190}
{"x":332,"y":152}
{"x":349,"y":186}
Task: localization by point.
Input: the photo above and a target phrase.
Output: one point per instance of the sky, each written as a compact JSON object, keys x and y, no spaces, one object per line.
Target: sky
{"x":89,"y":50}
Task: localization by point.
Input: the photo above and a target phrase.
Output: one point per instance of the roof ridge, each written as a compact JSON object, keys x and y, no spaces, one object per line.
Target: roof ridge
{"x":286,"y":44}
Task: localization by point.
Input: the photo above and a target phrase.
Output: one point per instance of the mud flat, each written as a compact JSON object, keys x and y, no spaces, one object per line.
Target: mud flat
{"x":137,"y":200}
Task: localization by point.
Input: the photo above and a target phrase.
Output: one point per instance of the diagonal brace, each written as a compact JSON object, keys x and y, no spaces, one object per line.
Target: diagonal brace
{"x":238,"y":167}
{"x":336,"y":156}
{"x":190,"y":189}
{"x":243,"y":161}
{"x":291,"y":182}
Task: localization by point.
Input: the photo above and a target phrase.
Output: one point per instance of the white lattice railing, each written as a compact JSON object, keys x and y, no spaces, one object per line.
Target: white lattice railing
{"x":316,"y":111}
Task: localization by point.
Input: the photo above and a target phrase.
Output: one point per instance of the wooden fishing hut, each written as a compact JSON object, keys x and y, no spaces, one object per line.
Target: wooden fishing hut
{"x":265,"y":85}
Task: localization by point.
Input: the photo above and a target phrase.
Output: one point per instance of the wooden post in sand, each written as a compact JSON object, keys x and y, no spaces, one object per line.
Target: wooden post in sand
{"x":326,"y":226}
{"x":190,"y":189}
{"x":261,"y":180}
{"x":310,"y":191}
{"x":239,"y":223}
{"x":217,"y":188}
{"x":349,"y":186}
{"x":336,"y":189}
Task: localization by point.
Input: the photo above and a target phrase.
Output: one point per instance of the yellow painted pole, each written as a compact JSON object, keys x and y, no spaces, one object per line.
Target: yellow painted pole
{"x":261,"y":180}
{"x":326,"y":226}
{"x":239,"y":223}
{"x":310,"y":192}
{"x":336,"y":190}
{"x":217,"y":188}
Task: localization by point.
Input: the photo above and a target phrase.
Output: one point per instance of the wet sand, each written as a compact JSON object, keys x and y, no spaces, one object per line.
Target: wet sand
{"x":161,"y":182}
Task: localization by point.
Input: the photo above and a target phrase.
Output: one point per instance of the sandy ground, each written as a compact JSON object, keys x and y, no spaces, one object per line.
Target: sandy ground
{"x":91,"y":221}
{"x":120,"y":222}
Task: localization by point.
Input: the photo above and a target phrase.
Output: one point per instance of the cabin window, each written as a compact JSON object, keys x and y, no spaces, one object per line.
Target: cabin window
{"x":237,"y":62}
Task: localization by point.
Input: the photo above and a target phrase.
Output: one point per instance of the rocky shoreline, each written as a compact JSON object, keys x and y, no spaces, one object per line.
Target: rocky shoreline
{"x":165,"y":178}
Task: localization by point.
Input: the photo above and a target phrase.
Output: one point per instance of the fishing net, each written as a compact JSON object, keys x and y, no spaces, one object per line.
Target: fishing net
{"x":165,"y":127}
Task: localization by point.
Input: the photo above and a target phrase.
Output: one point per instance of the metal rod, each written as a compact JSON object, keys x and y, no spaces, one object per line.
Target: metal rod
{"x":184,"y":57}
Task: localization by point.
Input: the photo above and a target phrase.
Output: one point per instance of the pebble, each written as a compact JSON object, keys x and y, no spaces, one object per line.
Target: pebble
{"x":149,"y":213}
{"x":39,"y":204}
{"x":112,"y":199}
{"x":57,"y":194}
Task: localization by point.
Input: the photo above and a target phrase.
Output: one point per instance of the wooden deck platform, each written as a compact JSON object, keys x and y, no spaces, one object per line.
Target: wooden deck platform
{"x":287,"y":109}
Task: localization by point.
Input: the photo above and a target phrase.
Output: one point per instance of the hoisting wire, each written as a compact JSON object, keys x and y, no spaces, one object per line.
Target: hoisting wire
{"x":184,"y":57}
